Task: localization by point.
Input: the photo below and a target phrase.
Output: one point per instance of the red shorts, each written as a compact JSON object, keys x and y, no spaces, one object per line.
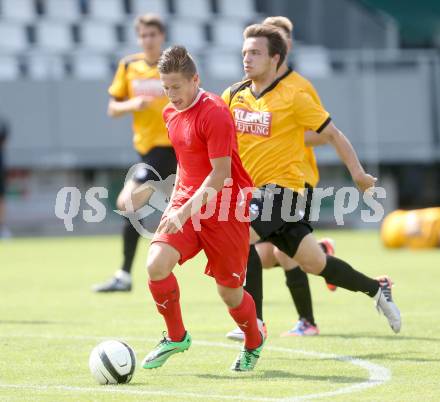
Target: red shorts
{"x":226,"y":245}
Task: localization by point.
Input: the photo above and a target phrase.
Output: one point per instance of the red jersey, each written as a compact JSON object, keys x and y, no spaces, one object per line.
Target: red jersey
{"x":203,"y":131}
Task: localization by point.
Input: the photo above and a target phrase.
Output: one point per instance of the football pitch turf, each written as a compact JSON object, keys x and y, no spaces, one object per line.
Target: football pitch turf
{"x":50,"y":321}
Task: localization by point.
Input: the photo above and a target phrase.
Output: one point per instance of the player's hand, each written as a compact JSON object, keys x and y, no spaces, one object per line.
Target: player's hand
{"x":365,"y":181}
{"x":140,"y":102}
{"x":172,"y":223}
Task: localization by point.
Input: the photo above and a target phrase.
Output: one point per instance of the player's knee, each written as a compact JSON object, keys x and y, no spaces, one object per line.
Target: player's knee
{"x":253,"y":236}
{"x":158,"y":267}
{"x":121,"y":203}
{"x":231,"y":297}
{"x":283,"y":259}
{"x":154,"y":270}
{"x":266,"y":254}
{"x":226,"y":297}
{"x":130,"y":198}
{"x":313,"y":264}
{"x":161,"y":260}
{"x":277,"y":253}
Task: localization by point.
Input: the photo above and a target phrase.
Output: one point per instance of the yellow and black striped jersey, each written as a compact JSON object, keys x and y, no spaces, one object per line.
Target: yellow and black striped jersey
{"x":270,"y":129}
{"x":135,"y":77}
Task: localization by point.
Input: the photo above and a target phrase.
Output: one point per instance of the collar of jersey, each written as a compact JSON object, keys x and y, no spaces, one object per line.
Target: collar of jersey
{"x":271,"y":86}
{"x":197,"y":98}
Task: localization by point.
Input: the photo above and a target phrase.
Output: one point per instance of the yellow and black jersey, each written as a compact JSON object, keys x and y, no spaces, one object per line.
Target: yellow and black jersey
{"x":135,"y":77}
{"x":270,"y":129}
{"x":309,"y":165}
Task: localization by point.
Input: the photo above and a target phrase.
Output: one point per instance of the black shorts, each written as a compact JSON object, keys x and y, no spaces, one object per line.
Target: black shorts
{"x":162,"y":159}
{"x":308,"y":202}
{"x":281,"y":223}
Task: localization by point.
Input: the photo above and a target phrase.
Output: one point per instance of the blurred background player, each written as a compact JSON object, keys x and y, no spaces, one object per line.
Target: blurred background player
{"x":270,"y":135}
{"x":136,"y":90}
{"x":4,"y":131}
{"x":202,"y":131}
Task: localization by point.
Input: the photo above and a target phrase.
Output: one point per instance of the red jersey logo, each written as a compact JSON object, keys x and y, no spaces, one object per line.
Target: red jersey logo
{"x":256,"y":123}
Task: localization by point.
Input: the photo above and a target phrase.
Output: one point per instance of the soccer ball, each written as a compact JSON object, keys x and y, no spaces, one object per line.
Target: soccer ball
{"x":112,"y":362}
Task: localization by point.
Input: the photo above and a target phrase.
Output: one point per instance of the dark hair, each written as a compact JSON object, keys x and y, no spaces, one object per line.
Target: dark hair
{"x":276,"y":42}
{"x":176,"y":59}
{"x":149,"y":20}
{"x":281,"y":22}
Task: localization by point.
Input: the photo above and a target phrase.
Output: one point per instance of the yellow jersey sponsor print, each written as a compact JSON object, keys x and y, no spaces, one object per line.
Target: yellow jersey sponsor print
{"x":270,"y":129}
{"x":135,"y":77}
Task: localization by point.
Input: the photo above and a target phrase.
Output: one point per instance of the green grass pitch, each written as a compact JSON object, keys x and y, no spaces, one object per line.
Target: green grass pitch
{"x":50,"y":321}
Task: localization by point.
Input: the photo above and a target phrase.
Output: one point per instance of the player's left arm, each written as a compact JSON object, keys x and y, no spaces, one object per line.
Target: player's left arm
{"x":213,"y":183}
{"x":333,"y":136}
{"x":313,"y":116}
{"x":314,"y":139}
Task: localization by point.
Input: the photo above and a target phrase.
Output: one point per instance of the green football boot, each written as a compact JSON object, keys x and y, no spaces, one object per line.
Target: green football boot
{"x":164,"y":349}
{"x":248,"y":358}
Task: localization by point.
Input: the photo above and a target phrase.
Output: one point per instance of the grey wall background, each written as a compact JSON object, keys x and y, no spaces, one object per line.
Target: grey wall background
{"x":388,"y":107}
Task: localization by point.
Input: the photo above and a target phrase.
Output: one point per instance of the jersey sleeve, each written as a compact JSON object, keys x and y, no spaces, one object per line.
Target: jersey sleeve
{"x":219,"y":132}
{"x":226,"y":96}
{"x":311,"y":90}
{"x":119,"y":88}
{"x":309,"y":113}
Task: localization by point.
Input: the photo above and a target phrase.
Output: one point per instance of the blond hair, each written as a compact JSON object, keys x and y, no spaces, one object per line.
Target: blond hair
{"x":281,"y":22}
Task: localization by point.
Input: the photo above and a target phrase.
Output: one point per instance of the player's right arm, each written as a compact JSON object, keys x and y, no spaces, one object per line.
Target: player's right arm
{"x":117,"y":108}
{"x":120,"y":103}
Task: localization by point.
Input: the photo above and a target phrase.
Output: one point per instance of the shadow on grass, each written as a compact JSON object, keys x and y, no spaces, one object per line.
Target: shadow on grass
{"x":278,"y":374}
{"x":406,"y":356}
{"x":29,"y":322}
{"x":401,"y":356}
{"x":394,"y":338}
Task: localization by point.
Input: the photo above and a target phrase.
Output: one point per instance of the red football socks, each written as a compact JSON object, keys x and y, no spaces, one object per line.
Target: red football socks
{"x":166,"y":294}
{"x":246,"y":318}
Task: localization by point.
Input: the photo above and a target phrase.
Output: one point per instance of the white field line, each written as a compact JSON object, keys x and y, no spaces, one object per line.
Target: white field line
{"x":377,"y":375}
